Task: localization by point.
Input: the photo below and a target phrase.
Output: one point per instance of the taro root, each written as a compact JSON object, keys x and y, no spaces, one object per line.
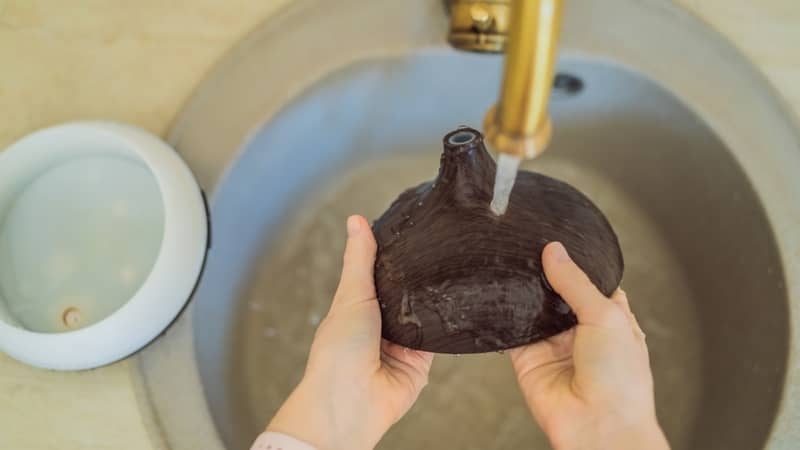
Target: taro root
{"x":453,"y":277}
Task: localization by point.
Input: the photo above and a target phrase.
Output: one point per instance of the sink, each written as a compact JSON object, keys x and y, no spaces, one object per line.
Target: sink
{"x":328,"y":110}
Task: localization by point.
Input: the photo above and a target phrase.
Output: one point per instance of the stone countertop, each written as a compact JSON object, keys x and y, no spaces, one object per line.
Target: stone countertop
{"x":138,"y":62}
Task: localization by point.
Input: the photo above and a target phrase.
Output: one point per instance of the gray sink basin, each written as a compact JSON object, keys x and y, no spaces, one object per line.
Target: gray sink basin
{"x":333,"y":108}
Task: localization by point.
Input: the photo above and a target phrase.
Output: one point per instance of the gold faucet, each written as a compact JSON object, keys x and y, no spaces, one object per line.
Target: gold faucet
{"x":527,"y":30}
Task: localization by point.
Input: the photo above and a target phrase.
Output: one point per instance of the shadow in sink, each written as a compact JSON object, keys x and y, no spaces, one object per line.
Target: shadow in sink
{"x":702,"y":268}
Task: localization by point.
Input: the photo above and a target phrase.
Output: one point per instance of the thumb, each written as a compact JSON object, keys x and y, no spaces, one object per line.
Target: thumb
{"x":572,"y":283}
{"x":357,"y":283}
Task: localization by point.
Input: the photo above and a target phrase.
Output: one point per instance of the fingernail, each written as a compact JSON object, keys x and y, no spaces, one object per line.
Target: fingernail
{"x":353,"y":226}
{"x":560,"y":252}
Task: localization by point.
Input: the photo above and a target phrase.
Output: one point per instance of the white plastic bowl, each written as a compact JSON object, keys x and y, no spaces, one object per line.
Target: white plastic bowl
{"x":103,"y":234}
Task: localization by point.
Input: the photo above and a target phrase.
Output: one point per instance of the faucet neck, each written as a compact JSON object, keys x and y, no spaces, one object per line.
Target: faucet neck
{"x":527,"y":30}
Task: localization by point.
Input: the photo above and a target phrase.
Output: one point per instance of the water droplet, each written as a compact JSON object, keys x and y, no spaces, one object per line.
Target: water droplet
{"x":314,"y":318}
{"x":546,"y":283}
{"x":489,"y":342}
{"x":407,"y":314}
{"x":255,"y":306}
{"x":419,"y":203}
{"x":269,"y":332}
{"x":562,"y":307}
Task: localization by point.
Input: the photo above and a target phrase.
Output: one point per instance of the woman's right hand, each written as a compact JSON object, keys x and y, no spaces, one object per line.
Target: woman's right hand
{"x":590,"y":387}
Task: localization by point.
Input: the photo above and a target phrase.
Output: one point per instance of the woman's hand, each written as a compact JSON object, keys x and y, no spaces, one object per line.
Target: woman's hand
{"x":356,"y":385}
{"x":590,"y":387}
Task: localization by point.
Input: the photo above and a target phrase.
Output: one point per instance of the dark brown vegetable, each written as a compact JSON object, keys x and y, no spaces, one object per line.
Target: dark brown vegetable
{"x":452,"y":277}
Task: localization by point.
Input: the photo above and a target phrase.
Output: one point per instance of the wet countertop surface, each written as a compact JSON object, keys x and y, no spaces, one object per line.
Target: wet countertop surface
{"x":138,"y":62}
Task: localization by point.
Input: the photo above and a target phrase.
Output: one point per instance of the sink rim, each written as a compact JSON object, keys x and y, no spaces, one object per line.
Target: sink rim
{"x":771,"y":124}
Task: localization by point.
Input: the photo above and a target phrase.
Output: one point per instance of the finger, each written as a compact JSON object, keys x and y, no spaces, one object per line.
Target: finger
{"x":406,"y":354}
{"x":620,"y":298}
{"x":571,"y":283}
{"x":414,"y":363}
{"x":536,"y":364}
{"x":554,"y":348}
{"x":357,"y":282}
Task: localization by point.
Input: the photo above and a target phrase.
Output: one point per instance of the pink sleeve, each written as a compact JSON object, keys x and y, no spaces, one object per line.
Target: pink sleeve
{"x":277,"y":441}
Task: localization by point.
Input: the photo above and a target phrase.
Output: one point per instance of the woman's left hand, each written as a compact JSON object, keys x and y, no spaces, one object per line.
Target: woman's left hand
{"x":356,"y":385}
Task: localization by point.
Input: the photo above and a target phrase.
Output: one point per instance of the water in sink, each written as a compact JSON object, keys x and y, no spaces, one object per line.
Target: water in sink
{"x":472,"y":402}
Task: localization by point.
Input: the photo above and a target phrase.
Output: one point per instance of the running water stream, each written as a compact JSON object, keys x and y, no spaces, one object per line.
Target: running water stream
{"x":507,"y":166}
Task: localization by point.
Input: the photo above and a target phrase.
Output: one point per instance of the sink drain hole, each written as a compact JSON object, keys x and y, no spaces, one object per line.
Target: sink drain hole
{"x":566,"y":85}
{"x":71,"y":317}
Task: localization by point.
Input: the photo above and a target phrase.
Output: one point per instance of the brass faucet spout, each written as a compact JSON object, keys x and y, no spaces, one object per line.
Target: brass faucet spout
{"x":519,"y":124}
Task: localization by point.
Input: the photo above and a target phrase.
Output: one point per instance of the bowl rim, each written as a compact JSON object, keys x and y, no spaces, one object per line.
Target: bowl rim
{"x":172,"y":277}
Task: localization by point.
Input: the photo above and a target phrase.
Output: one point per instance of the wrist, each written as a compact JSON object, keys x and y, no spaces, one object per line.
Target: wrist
{"x":315,"y":415}
{"x":642,"y":436}
{"x":302,"y":417}
{"x":617,"y":434}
